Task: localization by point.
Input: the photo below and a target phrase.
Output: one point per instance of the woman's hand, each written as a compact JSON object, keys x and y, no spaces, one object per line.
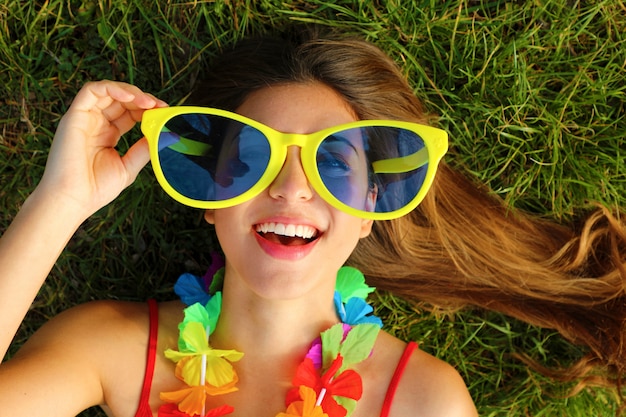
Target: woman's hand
{"x":84,"y":172}
{"x":83,"y":166}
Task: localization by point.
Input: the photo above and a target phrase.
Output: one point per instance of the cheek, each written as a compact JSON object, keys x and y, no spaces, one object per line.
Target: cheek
{"x":228,"y":227}
{"x":229,"y":240}
{"x":353,"y":230}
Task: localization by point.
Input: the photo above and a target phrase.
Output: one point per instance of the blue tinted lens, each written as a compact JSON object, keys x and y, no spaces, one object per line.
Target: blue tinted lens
{"x":211,"y":158}
{"x":241,"y":163}
{"x":346,"y":162}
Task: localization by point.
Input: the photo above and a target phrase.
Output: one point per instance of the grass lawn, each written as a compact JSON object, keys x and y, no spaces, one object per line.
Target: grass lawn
{"x":532,"y":93}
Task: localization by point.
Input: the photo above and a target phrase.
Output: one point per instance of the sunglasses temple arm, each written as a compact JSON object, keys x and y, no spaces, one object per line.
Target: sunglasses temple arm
{"x":189,"y":147}
{"x":403,"y":164}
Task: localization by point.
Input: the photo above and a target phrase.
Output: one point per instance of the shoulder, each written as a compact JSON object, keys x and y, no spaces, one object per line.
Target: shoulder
{"x":435,"y":387}
{"x":95,"y":336}
{"x":74,"y":354}
{"x":429,"y":387}
{"x":90,"y":323}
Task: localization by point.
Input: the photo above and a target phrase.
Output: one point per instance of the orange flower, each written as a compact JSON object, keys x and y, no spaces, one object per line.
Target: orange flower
{"x":192,"y":400}
{"x":306,"y":407}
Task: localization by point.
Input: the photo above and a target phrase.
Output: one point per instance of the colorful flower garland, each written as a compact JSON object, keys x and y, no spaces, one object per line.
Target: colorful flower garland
{"x":324,"y":384}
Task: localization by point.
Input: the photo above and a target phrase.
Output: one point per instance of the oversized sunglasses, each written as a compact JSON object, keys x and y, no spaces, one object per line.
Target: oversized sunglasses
{"x":210,"y":158}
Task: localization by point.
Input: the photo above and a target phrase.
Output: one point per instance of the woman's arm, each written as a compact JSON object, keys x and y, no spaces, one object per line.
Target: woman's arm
{"x":84,"y":172}
{"x":91,"y":354}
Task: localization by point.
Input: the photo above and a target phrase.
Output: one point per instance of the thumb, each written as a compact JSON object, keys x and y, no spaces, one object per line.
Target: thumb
{"x":135,"y":159}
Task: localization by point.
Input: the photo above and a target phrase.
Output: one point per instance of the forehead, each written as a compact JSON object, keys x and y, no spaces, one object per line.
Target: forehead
{"x":297,"y":108}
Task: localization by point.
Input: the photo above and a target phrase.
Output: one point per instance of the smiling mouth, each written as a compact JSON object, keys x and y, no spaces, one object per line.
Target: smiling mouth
{"x":287,"y":234}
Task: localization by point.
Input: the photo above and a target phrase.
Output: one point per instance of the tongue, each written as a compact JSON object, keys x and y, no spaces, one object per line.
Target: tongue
{"x":285,"y":240}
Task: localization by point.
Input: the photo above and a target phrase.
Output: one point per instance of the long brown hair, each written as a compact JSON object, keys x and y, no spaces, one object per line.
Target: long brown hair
{"x":461,"y":246}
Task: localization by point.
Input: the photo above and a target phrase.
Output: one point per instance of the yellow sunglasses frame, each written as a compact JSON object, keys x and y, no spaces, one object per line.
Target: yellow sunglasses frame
{"x":436,"y":141}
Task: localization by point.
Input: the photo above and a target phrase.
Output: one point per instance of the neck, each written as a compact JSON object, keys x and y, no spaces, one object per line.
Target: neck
{"x":272,"y":328}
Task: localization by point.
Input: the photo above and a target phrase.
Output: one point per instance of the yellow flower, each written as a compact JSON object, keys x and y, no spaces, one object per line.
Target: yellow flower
{"x":218,"y":369}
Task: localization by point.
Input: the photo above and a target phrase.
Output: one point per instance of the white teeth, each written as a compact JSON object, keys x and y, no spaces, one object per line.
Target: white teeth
{"x":303,"y":231}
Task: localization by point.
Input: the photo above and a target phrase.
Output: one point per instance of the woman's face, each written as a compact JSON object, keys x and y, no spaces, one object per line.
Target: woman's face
{"x":287,"y":241}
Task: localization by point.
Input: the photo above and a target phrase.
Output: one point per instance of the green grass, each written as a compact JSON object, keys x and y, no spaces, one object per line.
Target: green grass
{"x":532,"y":93}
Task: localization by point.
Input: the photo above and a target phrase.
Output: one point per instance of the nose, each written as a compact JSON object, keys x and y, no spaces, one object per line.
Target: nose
{"x":291,"y":184}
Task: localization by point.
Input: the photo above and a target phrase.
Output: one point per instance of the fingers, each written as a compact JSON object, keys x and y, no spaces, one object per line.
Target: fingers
{"x":103,"y":111}
{"x":103,"y":94}
{"x":120,"y":104}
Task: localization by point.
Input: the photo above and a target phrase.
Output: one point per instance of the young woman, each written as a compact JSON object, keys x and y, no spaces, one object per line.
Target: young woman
{"x":285,"y":233}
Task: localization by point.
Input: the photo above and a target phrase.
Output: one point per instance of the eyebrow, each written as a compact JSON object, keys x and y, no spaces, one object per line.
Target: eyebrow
{"x":342,"y":140}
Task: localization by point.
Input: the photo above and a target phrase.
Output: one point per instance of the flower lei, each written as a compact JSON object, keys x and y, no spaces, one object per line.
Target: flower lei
{"x":323,"y":385}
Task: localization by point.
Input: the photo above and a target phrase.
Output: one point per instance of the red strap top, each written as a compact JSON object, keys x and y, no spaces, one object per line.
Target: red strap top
{"x":395,"y":380}
{"x":144,"y":401}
